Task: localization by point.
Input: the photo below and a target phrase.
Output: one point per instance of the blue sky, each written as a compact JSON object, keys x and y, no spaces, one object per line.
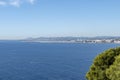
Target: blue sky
{"x":36,"y":18}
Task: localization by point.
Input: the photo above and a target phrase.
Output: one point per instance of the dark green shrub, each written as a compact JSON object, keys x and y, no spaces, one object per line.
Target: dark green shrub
{"x":102,"y":65}
{"x":113,"y":72}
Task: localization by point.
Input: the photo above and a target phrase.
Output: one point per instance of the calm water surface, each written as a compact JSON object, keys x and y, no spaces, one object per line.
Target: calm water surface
{"x":47,"y":61}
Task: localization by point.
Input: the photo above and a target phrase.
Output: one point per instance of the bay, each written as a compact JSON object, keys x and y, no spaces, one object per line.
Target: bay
{"x":47,"y":61}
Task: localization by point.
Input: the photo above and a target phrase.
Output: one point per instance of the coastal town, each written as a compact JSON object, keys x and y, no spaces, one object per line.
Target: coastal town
{"x":99,"y":41}
{"x":74,"y":40}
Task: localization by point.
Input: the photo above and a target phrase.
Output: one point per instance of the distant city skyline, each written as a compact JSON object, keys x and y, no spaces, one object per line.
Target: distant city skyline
{"x":21,"y":19}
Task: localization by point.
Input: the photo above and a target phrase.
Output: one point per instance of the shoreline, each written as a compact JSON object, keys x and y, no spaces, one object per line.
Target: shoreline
{"x":71,"y":42}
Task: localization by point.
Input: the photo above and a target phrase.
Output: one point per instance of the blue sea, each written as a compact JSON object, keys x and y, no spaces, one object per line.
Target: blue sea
{"x":47,"y":61}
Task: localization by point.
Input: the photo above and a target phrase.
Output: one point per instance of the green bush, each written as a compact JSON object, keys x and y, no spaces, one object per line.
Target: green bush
{"x":106,"y":66}
{"x":113,"y":73}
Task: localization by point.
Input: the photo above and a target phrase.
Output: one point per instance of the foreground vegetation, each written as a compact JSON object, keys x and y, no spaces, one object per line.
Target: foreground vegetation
{"x":106,"y":66}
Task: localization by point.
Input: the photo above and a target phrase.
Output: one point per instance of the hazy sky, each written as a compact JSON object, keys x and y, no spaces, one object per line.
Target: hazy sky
{"x":35,"y":18}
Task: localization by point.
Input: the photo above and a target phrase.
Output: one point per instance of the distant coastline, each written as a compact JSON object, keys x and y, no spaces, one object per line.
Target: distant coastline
{"x":74,"y":40}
